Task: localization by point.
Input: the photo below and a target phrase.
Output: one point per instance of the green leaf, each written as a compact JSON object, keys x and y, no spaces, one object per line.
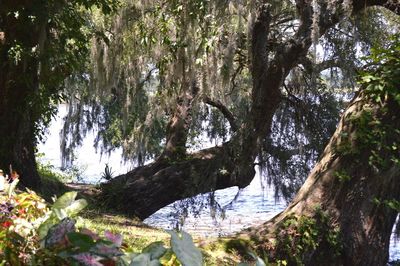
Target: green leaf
{"x":76,"y":207}
{"x":60,"y":214}
{"x":65,"y":200}
{"x":144,"y":259}
{"x":46,"y":225}
{"x":186,"y":252}
{"x":155,"y":249}
{"x":83,"y":241}
{"x":125,"y":260}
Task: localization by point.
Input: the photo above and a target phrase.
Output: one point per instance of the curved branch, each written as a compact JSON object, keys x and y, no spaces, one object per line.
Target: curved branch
{"x":148,"y":188}
{"x":319,"y":67}
{"x":224,"y":110}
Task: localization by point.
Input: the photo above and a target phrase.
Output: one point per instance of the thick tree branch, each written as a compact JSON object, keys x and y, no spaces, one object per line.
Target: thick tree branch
{"x":224,"y":110}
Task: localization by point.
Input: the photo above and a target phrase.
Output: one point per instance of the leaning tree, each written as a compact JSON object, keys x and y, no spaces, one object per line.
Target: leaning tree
{"x":172,"y":71}
{"x":246,"y":61}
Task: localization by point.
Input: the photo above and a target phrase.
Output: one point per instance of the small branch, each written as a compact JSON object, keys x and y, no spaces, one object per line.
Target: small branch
{"x":147,"y":77}
{"x":224,"y":110}
{"x":319,"y":67}
{"x":233,"y":79}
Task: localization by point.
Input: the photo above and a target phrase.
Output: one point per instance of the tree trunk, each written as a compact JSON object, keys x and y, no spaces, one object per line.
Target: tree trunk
{"x":178,"y":126}
{"x":17,"y":142}
{"x":353,"y":184}
{"x":17,"y":138}
{"x":18,"y":86}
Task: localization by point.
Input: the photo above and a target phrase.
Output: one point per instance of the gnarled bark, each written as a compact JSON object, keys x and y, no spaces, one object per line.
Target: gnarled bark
{"x":350,"y":189}
{"x":142,"y":191}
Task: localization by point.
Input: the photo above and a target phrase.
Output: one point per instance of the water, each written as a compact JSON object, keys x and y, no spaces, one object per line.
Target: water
{"x":87,"y":159}
{"x":252,"y":206}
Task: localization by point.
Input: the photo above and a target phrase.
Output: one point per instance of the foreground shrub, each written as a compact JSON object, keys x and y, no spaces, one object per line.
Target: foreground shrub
{"x":31,"y":233}
{"x":20,"y":216}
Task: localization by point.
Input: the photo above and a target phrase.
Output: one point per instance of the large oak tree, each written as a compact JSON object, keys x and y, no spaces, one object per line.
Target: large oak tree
{"x":279,"y":39}
{"x":273,"y":59}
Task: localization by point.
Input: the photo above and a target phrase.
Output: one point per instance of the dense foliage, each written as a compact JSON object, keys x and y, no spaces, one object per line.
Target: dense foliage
{"x":65,"y":29}
{"x":41,"y":44}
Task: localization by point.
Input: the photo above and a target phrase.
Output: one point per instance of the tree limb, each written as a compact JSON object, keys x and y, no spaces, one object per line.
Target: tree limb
{"x":319,"y":67}
{"x":224,"y":110}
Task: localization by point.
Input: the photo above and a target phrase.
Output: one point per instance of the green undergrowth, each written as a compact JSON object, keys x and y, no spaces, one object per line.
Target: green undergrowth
{"x":33,"y":232}
{"x":52,"y":182}
{"x":136,"y":234}
{"x":298,"y":238}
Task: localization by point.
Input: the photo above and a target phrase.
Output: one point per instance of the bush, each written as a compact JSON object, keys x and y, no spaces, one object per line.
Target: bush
{"x":31,"y":233}
{"x":20,"y":216}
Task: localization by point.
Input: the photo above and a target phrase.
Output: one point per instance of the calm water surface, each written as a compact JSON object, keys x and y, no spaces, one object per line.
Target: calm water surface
{"x":251,"y":206}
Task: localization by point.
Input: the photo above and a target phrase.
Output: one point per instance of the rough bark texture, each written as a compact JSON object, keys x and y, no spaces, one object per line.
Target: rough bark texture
{"x":178,"y":126}
{"x":18,"y":84}
{"x":142,"y":191}
{"x":346,"y":186}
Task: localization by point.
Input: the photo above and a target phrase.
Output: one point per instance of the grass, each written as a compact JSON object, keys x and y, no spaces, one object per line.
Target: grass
{"x":136,"y":234}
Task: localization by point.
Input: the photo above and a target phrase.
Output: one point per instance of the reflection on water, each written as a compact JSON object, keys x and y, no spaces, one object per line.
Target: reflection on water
{"x":251,"y":207}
